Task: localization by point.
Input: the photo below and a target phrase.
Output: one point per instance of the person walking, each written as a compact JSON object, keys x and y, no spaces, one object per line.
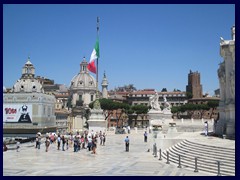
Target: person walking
{"x":39,"y":140}
{"x":58,"y":141}
{"x":145,"y":136}
{"x":75,"y":144}
{"x":18,"y":146}
{"x":47,"y":143}
{"x":104,"y":139}
{"x":63,"y":142}
{"x":89,"y":143}
{"x":206,"y":128}
{"x":94,"y":145}
{"x":127,"y":143}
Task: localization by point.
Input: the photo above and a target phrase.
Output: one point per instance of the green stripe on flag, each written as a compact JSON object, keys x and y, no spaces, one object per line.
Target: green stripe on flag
{"x":97,"y":48}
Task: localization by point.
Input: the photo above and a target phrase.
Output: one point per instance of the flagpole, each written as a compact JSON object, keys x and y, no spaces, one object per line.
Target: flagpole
{"x":97,"y":97}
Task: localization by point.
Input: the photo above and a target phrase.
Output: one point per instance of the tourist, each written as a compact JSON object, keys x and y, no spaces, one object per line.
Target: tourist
{"x":63,"y":142}
{"x":101,"y":138}
{"x":18,"y":146}
{"x":104,"y":139}
{"x":206,"y":128}
{"x":47,"y":143}
{"x":59,"y":141}
{"x":71,"y":139}
{"x":4,"y":147}
{"x":75,"y":142}
{"x":39,"y":140}
{"x":127,"y":143}
{"x":52,"y":138}
{"x":94,"y":144}
{"x":36,"y":141}
{"x":89,"y":143}
{"x":145,"y":136}
{"x":128,"y":129}
{"x":83,"y":142}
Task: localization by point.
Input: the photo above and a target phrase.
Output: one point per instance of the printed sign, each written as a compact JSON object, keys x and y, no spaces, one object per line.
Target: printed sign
{"x":17,"y":113}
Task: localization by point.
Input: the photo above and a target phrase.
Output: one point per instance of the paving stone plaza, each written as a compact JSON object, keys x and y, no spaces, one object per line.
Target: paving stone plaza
{"x":110,"y":160}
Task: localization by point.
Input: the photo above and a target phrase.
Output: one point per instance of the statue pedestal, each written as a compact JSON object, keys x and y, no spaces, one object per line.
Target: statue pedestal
{"x":159,"y":117}
{"x":172,"y":128}
{"x":97,"y":121}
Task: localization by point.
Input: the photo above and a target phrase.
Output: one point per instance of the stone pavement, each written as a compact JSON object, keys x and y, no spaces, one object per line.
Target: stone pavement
{"x":110,"y":160}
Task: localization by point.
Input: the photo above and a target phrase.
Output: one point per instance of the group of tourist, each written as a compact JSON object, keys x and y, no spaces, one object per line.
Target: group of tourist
{"x":78,"y":141}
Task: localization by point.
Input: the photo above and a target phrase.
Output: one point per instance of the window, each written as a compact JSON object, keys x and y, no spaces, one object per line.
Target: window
{"x":80,"y":97}
{"x":91,"y":97}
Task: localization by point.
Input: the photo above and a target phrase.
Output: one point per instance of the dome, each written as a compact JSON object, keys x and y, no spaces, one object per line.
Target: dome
{"x":83,"y":80}
{"x":27,"y":85}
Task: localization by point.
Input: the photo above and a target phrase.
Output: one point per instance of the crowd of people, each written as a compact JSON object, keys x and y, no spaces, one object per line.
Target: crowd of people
{"x":84,"y":140}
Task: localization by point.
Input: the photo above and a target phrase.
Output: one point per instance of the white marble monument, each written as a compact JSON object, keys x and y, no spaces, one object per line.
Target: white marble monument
{"x":97,"y":120}
{"x":158,"y":117}
{"x":226,"y":75}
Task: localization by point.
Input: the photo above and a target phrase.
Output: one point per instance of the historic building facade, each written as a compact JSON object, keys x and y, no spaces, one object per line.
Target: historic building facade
{"x":27,"y":109}
{"x":83,"y":86}
{"x":81,"y":93}
{"x":176,"y":98}
{"x":226,"y":75}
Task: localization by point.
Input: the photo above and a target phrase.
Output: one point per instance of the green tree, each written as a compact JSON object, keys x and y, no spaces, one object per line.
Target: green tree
{"x":109,"y":106}
{"x":164,"y":90}
{"x":189,"y":95}
{"x":176,"y":110}
{"x":202,"y":108}
{"x":213,"y":105}
{"x":189,"y":108}
{"x":139,"y":109}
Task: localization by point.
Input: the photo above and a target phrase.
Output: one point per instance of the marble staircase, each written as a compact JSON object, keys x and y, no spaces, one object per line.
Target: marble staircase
{"x":207,"y":157}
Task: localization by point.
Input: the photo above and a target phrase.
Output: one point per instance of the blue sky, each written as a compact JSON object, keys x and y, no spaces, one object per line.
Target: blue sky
{"x":150,"y":46}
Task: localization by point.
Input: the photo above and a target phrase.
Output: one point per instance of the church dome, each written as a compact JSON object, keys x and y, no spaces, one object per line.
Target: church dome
{"x":28,"y":83}
{"x":83,"y":80}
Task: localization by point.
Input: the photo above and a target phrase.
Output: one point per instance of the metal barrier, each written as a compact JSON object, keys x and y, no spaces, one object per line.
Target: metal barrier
{"x":160,"y":154}
{"x":182,"y":156}
{"x":167,"y":158}
{"x":196,"y":169}
{"x":179,"y":161}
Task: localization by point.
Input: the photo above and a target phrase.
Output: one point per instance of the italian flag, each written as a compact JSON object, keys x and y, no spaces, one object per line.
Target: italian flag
{"x":94,"y":56}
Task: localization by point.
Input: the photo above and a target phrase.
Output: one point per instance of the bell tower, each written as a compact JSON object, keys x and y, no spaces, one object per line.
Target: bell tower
{"x":104,"y":86}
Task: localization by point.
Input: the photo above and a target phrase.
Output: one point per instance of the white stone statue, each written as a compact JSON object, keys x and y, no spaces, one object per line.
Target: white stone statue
{"x":222,"y":78}
{"x":167,"y":106}
{"x":232,"y":84}
{"x":154,"y":102}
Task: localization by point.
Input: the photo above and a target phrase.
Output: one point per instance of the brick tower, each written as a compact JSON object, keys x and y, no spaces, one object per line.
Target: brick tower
{"x":194,"y":85}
